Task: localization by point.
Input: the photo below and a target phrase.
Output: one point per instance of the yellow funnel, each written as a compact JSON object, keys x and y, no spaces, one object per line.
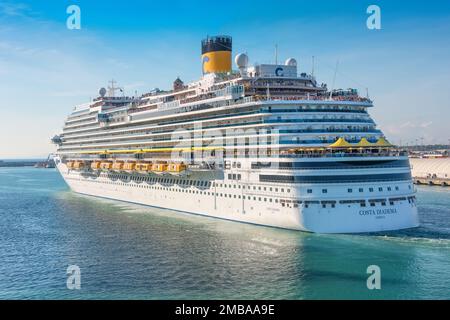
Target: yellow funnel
{"x":216,"y":54}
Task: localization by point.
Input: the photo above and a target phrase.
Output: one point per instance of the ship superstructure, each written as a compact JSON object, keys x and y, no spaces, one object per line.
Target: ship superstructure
{"x":263,"y":145}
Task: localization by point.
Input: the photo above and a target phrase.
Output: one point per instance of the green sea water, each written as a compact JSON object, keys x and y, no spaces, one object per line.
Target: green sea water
{"x":127,"y":251}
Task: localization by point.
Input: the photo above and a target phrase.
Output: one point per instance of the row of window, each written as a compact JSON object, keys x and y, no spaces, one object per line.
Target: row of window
{"x":336,"y":178}
{"x":361,"y":190}
{"x":331,"y":164}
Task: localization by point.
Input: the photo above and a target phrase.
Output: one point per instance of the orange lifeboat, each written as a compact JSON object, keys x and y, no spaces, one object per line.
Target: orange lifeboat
{"x":118,"y":165}
{"x":106,"y":165}
{"x":78,"y":165}
{"x":143,"y":166}
{"x":69,"y":164}
{"x":95,"y":165}
{"x":176,"y":167}
{"x":129,"y":166}
{"x":159,"y":167}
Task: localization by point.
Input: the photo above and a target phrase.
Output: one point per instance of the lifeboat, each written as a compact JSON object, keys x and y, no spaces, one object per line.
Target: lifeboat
{"x":78,"y":165}
{"x":69,"y":164}
{"x":142,"y":166}
{"x":129,"y":166}
{"x":106,"y":165}
{"x":118,"y":165}
{"x":176,"y":167}
{"x":95,"y":165}
{"x":159,"y":167}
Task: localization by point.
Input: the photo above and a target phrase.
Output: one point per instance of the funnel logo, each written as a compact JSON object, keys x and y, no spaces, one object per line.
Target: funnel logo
{"x":279,"y":72}
{"x":204,"y":60}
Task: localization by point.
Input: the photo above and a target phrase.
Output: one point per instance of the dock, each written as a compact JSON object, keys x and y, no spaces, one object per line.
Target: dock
{"x":431,"y":171}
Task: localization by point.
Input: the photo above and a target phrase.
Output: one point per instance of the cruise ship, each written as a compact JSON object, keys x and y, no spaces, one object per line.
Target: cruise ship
{"x":261,"y":144}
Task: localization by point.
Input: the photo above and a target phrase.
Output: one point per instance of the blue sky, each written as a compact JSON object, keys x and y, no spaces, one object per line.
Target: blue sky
{"x":46,"y":68}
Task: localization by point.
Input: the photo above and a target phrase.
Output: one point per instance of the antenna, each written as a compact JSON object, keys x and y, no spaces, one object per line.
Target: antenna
{"x":276,"y":53}
{"x":312,"y":71}
{"x":334,"y":79}
{"x":112,"y":89}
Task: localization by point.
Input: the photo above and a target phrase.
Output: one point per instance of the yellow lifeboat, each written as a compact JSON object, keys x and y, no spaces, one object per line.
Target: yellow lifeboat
{"x":106,"y":165}
{"x":129,"y":166}
{"x":143,"y":166}
{"x":176,"y":167}
{"x":118,"y":165}
{"x":159,"y":167}
{"x":69,"y":165}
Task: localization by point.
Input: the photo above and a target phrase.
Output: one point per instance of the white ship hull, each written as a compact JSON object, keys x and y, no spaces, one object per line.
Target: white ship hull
{"x":342,"y":218}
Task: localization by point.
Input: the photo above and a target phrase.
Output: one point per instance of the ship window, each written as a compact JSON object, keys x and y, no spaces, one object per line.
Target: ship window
{"x":324,"y":191}
{"x":229,"y":176}
{"x":396,"y":188}
{"x":389,"y":189}
{"x":361,"y":190}
{"x":370,"y":189}
{"x":309,"y":191}
{"x":350,"y":190}
{"x":380,"y":189}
